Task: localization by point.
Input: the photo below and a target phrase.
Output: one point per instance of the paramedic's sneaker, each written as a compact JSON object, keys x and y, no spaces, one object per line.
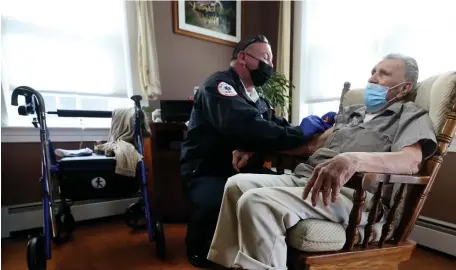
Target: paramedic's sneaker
{"x":199,"y":261}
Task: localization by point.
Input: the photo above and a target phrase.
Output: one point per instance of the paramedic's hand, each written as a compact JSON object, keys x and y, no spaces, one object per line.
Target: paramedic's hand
{"x":328,"y":178}
{"x":329,"y":118}
{"x":240,"y":159}
{"x":312,"y":125}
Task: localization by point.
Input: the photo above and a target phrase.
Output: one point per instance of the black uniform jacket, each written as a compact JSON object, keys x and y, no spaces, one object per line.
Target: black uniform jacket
{"x":223,"y":119}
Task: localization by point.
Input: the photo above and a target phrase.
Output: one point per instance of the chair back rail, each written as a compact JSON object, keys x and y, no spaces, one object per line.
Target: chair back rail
{"x":419,"y":193}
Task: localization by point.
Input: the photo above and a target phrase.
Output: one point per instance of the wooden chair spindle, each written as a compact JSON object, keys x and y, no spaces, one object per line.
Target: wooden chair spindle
{"x":388,"y":226}
{"x":373,"y":214}
{"x":359,"y":196}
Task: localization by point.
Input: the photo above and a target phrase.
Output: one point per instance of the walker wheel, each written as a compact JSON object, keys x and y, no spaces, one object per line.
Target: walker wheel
{"x":65,"y":225}
{"x":36,"y":253}
{"x":159,"y":234}
{"x":135,"y":215}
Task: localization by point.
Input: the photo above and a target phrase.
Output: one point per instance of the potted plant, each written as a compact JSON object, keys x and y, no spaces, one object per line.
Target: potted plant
{"x":147,"y":111}
{"x":275,"y":91}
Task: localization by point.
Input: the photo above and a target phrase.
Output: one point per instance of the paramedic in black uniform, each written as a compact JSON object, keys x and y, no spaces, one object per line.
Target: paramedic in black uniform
{"x":225,"y":118}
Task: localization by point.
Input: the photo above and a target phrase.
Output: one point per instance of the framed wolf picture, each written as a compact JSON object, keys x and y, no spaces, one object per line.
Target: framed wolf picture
{"x":215,"y":21}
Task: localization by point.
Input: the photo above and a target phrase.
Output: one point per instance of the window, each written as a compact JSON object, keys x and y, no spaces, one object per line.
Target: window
{"x":339,"y":41}
{"x":73,"y":52}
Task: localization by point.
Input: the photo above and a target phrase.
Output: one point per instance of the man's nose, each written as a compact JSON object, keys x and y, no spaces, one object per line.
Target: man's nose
{"x":373,"y":79}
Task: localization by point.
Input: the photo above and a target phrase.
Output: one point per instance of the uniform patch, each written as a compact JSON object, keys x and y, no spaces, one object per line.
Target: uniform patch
{"x":226,"y":90}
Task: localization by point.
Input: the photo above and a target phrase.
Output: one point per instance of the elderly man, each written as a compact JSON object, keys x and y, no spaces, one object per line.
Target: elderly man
{"x":386,"y":135}
{"x":228,"y":114}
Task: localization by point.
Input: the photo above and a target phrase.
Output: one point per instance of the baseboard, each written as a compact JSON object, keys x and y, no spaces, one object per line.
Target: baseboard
{"x":30,"y":216}
{"x":435,"y":234}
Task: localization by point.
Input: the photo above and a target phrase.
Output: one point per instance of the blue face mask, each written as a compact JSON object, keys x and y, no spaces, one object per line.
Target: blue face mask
{"x":375,"y":96}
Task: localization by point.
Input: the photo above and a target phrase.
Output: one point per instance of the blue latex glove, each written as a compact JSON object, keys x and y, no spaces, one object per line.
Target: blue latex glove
{"x":312,"y":125}
{"x":329,"y":118}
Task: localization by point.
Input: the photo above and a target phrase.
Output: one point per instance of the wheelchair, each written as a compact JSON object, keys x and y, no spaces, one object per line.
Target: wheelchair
{"x":82,"y":178}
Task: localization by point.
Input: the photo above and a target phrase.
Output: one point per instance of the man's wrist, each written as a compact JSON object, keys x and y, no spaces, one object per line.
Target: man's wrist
{"x":311,"y":146}
{"x":242,"y":152}
{"x":356,"y":160}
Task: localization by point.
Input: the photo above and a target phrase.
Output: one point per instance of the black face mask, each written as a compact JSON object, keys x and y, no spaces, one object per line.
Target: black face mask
{"x":262,"y":74}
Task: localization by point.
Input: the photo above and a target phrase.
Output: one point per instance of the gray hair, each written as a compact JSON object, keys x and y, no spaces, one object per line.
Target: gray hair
{"x":410,"y":65}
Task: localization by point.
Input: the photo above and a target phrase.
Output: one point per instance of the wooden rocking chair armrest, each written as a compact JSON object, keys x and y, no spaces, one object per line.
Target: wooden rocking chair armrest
{"x":413,"y":179}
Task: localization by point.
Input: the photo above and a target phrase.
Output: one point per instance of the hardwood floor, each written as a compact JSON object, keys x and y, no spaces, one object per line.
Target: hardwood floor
{"x":109,"y":244}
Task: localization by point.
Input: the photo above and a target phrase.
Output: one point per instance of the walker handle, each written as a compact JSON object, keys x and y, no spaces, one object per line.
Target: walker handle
{"x":21,"y":91}
{"x":137,"y":99}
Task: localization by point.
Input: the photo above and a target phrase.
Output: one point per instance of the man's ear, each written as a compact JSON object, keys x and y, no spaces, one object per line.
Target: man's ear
{"x":241,"y":57}
{"x":405,"y":89}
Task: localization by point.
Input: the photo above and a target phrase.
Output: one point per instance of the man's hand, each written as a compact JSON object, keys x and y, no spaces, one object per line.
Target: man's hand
{"x":240,"y":159}
{"x":329,"y":176}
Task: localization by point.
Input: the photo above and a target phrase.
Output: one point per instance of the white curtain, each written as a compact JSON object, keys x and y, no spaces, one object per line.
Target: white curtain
{"x":341,"y":40}
{"x":284,"y":46}
{"x":147,"y":50}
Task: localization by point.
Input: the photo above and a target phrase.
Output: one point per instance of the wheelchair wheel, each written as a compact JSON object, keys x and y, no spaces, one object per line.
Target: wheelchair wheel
{"x":135,"y":215}
{"x":36,"y":253}
{"x":64,"y":224}
{"x":160,"y":245}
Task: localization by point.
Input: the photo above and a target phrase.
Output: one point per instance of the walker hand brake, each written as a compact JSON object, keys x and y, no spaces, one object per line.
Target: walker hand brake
{"x":35,"y":122}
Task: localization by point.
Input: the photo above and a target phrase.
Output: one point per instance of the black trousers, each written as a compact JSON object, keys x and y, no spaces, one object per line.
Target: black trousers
{"x":205,"y":194}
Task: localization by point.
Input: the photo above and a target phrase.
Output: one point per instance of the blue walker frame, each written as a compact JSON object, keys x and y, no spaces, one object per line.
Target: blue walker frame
{"x":35,"y":105}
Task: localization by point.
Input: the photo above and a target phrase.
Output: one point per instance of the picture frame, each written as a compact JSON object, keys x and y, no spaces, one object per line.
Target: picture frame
{"x":215,"y":21}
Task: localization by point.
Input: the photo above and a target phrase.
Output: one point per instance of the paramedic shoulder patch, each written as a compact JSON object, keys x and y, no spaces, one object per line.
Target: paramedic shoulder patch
{"x":226,"y":90}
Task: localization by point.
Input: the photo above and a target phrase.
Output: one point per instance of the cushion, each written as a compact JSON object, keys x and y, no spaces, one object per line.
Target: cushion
{"x":314,"y":235}
{"x":436,"y":94}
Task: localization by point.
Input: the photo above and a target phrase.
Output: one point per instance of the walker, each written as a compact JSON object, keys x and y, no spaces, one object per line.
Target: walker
{"x":82,"y":178}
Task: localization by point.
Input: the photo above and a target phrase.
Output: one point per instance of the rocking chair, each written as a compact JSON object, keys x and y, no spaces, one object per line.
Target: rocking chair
{"x":319,"y":244}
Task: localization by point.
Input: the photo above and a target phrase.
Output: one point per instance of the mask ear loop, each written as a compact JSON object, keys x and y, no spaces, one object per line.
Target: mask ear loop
{"x":404,"y":90}
{"x":245,"y":65}
{"x":394,"y":98}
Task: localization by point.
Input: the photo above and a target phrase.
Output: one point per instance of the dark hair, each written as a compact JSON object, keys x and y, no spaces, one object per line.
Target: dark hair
{"x":245,"y":43}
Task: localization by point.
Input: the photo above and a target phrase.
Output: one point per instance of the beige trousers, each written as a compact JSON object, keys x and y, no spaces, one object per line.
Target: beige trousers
{"x":256,"y":211}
